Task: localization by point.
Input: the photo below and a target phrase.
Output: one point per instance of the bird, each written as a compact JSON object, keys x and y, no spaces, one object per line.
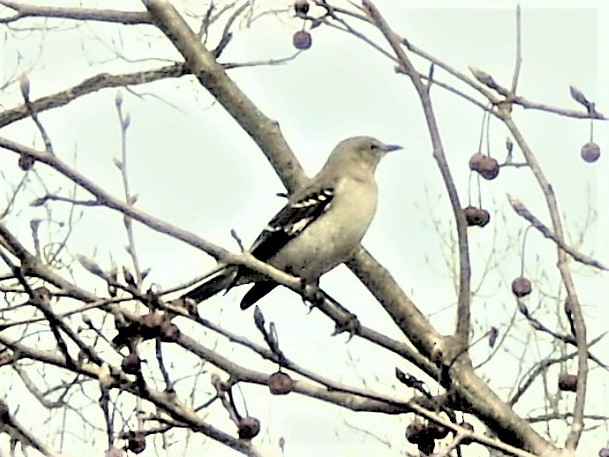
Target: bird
{"x":319,"y":228}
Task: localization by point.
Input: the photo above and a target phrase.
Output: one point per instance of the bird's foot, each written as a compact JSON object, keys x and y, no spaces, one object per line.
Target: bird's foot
{"x":311,"y":294}
{"x":349,"y":323}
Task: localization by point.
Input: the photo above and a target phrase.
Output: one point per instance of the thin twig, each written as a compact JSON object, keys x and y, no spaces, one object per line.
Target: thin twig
{"x":523,"y":212}
{"x":463,"y":305}
{"x":580,"y":325}
{"x":518,"y":62}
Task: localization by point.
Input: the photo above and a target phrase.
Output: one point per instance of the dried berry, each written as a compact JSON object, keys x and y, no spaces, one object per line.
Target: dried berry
{"x":302,"y":40}
{"x":476,"y":216}
{"x":249,"y":427}
{"x":301,"y":7}
{"x":415,"y":432}
{"x":591,"y":152}
{"x":131,"y":363}
{"x":474,"y":161}
{"x":487,"y":166}
{"x":470,"y":427}
{"x":426,"y":446}
{"x":567,"y":382}
{"x":280,"y":383}
{"x":437,"y":431}
{"x":521,"y":287}
{"x":136,"y":442}
{"x":26,"y":162}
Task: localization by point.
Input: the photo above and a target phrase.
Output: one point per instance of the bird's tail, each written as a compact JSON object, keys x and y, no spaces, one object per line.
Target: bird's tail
{"x":220,"y":280}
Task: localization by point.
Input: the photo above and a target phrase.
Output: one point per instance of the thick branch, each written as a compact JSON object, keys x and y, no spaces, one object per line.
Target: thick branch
{"x":463,"y":304}
{"x":563,"y":267}
{"x":268,"y":137}
{"x":167,"y":402}
{"x":23,"y":10}
{"x":264,"y":131}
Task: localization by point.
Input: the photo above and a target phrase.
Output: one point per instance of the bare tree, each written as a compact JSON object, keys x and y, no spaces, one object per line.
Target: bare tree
{"x":74,"y":327}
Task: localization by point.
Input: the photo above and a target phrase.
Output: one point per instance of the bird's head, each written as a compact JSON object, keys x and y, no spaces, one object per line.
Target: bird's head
{"x":365,"y":150}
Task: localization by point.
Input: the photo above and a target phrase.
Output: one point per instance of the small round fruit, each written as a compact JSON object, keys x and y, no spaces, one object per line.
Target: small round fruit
{"x":521,"y":287}
{"x":249,"y":427}
{"x":469,"y":427}
{"x":26,"y":162}
{"x":474,"y":161}
{"x":136,"y":442}
{"x":280,"y":383}
{"x":427,"y":445}
{"x":476,"y":216}
{"x":437,"y":431}
{"x":604,"y":452}
{"x":131,"y":363}
{"x":415,"y":432}
{"x":301,"y":7}
{"x":302,"y":40}
{"x":567,"y":382}
{"x":488,"y":168}
{"x":591,"y":152}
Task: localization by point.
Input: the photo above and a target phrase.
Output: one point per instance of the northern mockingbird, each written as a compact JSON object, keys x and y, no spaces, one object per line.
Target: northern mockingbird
{"x":319,"y":228}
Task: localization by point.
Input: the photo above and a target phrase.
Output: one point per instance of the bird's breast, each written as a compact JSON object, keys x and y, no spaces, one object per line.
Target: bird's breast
{"x":333,"y":237}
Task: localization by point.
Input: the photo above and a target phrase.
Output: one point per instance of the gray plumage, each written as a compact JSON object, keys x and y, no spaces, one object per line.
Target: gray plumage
{"x":319,"y":228}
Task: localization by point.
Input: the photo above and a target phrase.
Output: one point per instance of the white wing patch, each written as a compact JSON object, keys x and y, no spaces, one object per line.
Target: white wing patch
{"x":314,"y":199}
{"x":297,"y":226}
{"x":302,"y":213}
{"x":291,"y":221}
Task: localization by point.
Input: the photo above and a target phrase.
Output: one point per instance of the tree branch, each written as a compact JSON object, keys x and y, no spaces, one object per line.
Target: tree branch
{"x":79,"y":14}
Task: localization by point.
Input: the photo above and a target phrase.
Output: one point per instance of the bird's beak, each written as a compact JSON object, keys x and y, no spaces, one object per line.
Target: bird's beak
{"x":392,"y":147}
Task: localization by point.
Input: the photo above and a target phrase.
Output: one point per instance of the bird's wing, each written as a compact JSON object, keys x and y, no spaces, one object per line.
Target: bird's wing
{"x":291,"y":221}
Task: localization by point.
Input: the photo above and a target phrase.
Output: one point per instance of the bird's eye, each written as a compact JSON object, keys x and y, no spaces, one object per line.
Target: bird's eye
{"x":374,"y":146}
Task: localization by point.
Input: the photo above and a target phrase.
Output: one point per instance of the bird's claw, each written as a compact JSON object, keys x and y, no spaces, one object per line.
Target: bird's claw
{"x":350,"y":324}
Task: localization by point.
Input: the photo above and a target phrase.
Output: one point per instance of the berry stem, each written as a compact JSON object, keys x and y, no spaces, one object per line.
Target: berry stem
{"x":485,"y":117}
{"x":488,"y":133}
{"x":524,"y":243}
